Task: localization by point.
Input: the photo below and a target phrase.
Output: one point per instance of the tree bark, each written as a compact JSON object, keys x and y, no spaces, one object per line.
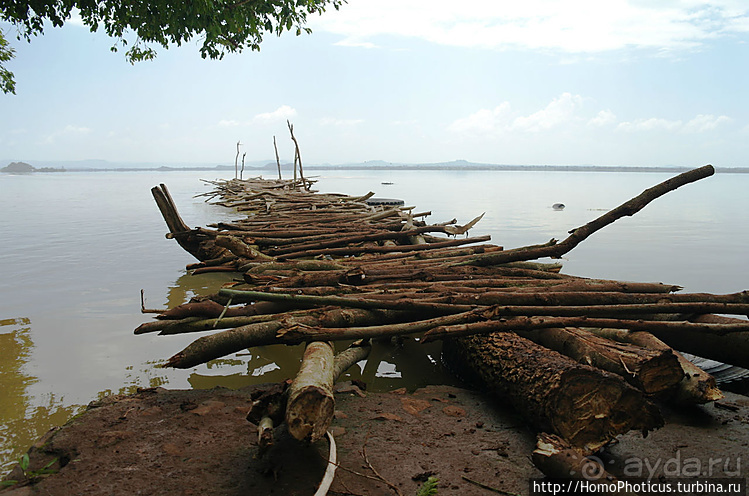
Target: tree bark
{"x":586,"y":406}
{"x":649,"y":370}
{"x":697,"y":386}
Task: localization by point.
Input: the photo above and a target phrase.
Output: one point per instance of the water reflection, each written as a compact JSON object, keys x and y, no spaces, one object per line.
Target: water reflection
{"x":390,"y":365}
{"x":22,"y":421}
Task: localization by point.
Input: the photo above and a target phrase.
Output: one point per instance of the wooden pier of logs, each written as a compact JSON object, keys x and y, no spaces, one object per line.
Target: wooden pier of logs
{"x":583,"y":359}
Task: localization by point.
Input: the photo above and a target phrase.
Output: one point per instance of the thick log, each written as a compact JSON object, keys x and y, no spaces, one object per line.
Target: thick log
{"x":311,"y":404}
{"x":730,"y":348}
{"x":191,"y":241}
{"x":586,"y":406}
{"x":649,"y":370}
{"x":697,"y":386}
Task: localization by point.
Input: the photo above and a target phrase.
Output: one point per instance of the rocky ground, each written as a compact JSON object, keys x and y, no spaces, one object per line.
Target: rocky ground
{"x":197,"y":442}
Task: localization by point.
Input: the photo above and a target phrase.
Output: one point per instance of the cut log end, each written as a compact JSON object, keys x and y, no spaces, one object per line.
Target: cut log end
{"x":591,"y":408}
{"x":309,"y":415}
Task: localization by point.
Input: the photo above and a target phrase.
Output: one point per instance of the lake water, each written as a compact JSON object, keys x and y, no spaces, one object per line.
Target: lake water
{"x":77,"y":248}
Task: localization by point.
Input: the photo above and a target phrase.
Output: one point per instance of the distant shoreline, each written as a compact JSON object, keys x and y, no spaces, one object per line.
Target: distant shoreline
{"x":384,"y":166}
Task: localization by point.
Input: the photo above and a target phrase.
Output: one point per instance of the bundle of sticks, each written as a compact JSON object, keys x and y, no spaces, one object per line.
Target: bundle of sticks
{"x":580,"y":358}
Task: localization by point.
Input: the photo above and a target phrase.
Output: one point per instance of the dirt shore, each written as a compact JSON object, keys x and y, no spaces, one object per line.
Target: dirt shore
{"x":197,"y":442}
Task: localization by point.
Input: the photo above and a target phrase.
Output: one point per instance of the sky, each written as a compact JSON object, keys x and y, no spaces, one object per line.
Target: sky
{"x":579,"y":82}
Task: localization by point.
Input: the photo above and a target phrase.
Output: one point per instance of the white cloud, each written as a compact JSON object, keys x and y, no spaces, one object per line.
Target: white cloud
{"x":230,"y":123}
{"x":331,"y":121}
{"x":559,"y":111}
{"x":573,"y":26}
{"x":501,"y":119}
{"x":281,"y":113}
{"x":699,"y":124}
{"x":603,"y":118}
{"x":651,"y":124}
{"x":353,"y":42}
{"x":703,"y":123}
{"x":484,"y":121}
{"x":69,"y":131}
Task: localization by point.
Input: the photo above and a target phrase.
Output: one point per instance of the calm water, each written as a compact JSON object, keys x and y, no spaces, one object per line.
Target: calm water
{"x":77,"y":248}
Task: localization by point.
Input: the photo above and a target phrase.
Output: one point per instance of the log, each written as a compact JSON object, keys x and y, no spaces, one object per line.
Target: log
{"x":310,"y":406}
{"x":382,"y":249}
{"x":240,"y":248}
{"x":586,"y":406}
{"x":649,"y":370}
{"x":664,"y":330}
{"x":732,"y":348}
{"x":305,"y":301}
{"x":223,"y":343}
{"x":697,"y":386}
{"x":557,"y":459}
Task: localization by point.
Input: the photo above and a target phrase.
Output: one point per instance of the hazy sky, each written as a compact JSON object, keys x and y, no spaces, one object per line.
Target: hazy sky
{"x":620,"y":82}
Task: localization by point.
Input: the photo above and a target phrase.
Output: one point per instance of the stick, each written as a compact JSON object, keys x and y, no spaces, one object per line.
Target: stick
{"x":556,"y":250}
{"x":510,"y":324}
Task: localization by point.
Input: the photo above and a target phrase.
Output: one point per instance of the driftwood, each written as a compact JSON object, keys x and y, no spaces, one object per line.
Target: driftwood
{"x":696,"y":385}
{"x":320,"y":268}
{"x":586,"y":406}
{"x":310,"y":406}
{"x":307,"y":403}
{"x":652,"y":371}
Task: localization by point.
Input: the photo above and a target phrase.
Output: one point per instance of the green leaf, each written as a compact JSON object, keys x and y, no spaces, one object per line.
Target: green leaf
{"x":429,"y":488}
{"x":24,"y":463}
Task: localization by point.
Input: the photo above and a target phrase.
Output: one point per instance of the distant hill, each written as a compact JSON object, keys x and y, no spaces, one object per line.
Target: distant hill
{"x":24,"y":168}
{"x":17,"y":167}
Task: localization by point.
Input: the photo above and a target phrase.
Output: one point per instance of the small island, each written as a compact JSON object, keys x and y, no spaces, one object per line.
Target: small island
{"x":24,"y":168}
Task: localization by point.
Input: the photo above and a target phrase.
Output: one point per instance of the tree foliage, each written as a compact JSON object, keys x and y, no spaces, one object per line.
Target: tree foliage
{"x":222,"y":26}
{"x":7,"y":82}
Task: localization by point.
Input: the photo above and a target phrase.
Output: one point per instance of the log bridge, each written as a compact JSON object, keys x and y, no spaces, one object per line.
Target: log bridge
{"x":583,"y":360}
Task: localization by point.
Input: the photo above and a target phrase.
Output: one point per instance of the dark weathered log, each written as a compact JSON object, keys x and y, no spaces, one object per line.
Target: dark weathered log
{"x":697,"y":386}
{"x":649,"y":370}
{"x":631,"y":207}
{"x":586,"y":406}
{"x":730,"y":348}
{"x":168,"y":209}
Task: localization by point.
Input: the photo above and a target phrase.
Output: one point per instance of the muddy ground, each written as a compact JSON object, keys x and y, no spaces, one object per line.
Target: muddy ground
{"x":197,"y":442}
